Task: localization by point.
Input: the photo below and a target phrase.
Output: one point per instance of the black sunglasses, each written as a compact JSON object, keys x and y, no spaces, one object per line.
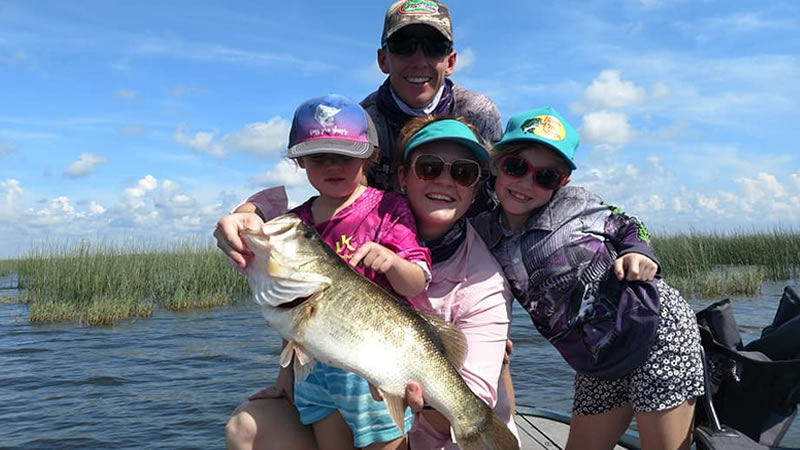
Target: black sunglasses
{"x":544,"y":177}
{"x":463,"y":171}
{"x":431,"y":47}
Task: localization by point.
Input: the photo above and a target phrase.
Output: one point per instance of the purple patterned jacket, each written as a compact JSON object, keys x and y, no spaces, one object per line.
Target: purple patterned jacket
{"x":560,"y":266}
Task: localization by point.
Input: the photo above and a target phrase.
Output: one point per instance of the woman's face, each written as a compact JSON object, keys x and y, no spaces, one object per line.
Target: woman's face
{"x":440,"y":202}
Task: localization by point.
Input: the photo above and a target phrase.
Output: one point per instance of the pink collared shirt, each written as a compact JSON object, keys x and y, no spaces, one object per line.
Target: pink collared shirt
{"x":470,"y":291}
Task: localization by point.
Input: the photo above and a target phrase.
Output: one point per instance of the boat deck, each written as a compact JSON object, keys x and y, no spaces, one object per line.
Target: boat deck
{"x":541,"y":429}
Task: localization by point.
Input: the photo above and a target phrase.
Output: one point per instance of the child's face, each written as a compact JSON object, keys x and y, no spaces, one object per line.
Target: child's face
{"x":438,"y":202}
{"x":519,"y":196}
{"x":332,"y":175}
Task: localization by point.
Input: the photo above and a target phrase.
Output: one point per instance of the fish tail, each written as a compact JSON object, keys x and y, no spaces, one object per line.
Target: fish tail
{"x":494,"y":436}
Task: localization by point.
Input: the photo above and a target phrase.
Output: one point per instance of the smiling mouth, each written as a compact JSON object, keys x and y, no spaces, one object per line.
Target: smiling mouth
{"x":440,"y":198}
{"x":418,"y":80}
{"x":519,"y":196}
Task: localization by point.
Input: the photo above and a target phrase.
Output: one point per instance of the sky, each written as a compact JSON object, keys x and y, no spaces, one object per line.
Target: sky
{"x":147,"y":121}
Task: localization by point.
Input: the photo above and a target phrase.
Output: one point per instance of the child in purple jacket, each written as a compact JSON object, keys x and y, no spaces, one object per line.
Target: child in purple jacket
{"x":587,"y":275}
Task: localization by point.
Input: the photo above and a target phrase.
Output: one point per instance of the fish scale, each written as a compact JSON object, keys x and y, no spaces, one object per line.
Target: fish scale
{"x":351,"y":323}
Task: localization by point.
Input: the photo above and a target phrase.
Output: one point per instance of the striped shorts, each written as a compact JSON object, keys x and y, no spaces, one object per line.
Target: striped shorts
{"x":329,"y":389}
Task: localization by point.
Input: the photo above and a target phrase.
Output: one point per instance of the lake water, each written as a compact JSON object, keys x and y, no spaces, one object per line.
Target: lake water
{"x":172,"y":380}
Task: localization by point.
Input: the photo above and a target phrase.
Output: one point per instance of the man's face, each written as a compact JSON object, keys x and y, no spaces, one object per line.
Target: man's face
{"x":416,"y":77}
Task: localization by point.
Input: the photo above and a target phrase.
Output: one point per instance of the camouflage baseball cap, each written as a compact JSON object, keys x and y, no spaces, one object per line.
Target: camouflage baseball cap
{"x":411,"y":12}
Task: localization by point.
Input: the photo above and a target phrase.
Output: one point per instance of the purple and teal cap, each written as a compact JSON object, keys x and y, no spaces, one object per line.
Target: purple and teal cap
{"x":447,"y":130}
{"x":402,"y":13}
{"x":545,"y":126}
{"x":332,"y":124}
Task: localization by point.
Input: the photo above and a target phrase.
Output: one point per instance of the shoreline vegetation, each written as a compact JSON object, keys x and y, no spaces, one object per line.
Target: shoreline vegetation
{"x":99,"y":284}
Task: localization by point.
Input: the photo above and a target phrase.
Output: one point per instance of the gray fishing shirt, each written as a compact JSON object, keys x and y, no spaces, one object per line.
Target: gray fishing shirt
{"x":477,"y":109}
{"x":560,"y":266}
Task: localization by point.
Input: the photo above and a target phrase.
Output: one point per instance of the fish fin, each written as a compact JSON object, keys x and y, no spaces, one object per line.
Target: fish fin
{"x":286,"y":354}
{"x":494,"y":436}
{"x":454,"y":344}
{"x":304,"y":363}
{"x":397,"y":409}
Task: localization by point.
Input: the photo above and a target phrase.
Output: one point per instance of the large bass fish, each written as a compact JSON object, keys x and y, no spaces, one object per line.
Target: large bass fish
{"x":329,"y":312}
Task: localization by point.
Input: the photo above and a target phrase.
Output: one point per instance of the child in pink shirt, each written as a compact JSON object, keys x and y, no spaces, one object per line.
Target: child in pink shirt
{"x":334,"y":139}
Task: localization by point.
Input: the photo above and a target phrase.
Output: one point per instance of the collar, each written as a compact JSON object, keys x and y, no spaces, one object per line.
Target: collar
{"x":425,"y":110}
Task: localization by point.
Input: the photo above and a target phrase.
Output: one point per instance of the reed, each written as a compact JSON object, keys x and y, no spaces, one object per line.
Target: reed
{"x":99,"y":284}
{"x":707,"y":265}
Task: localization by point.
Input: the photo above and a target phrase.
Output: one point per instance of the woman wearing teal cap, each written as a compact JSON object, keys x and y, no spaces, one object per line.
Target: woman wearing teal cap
{"x":443,"y":163}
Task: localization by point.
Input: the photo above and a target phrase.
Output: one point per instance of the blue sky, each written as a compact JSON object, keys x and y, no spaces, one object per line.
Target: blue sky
{"x":148,"y":120}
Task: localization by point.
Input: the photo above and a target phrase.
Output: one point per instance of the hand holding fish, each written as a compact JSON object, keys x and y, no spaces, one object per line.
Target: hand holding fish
{"x":414,"y":397}
{"x":635,"y":267}
{"x":227,"y":234}
{"x":283,"y":387}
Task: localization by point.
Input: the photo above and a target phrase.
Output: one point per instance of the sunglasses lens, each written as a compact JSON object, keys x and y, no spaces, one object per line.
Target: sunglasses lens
{"x":465,"y":173}
{"x":548,"y":178}
{"x":402,"y":47}
{"x":514,"y":167}
{"x":428,"y":167}
{"x":433,"y":48}
{"x":436,"y":48}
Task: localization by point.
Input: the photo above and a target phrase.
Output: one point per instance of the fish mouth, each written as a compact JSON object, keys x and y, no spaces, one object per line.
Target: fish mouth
{"x":296,"y":302}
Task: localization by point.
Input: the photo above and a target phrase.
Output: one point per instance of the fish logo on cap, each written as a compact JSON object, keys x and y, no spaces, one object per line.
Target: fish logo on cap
{"x":548,"y":127}
{"x":324,"y":114}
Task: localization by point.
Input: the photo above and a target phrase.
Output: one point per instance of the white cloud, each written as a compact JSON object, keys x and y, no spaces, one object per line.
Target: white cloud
{"x":608,"y":130}
{"x":609,"y":91}
{"x":656,"y":202}
{"x":660,"y":90}
{"x":126,"y":94}
{"x":95,"y":209}
{"x":677,"y":204}
{"x":11,"y":190}
{"x":83,"y":165}
{"x":134,"y":196}
{"x":465,"y":59}
{"x":284,"y":173}
{"x":263,"y":138}
{"x":202,"y":141}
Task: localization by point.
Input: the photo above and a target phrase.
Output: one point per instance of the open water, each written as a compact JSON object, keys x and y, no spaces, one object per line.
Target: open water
{"x":171,"y":381}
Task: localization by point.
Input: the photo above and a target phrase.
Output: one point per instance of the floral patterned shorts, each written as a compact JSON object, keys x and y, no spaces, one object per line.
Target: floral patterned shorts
{"x":672,"y":374}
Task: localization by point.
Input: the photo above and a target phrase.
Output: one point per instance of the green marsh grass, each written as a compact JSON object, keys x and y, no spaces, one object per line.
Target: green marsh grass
{"x":98,"y":284}
{"x":708,"y":265}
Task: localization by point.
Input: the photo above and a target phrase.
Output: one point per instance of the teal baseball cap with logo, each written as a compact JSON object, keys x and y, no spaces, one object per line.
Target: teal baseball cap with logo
{"x":545,"y":126}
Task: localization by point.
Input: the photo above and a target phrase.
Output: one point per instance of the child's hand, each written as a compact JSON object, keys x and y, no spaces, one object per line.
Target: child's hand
{"x":635,"y":267}
{"x":374,"y":256}
{"x":228,"y":239}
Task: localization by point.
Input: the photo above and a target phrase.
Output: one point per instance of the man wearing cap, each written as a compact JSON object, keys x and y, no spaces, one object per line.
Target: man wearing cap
{"x":417,"y":53}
